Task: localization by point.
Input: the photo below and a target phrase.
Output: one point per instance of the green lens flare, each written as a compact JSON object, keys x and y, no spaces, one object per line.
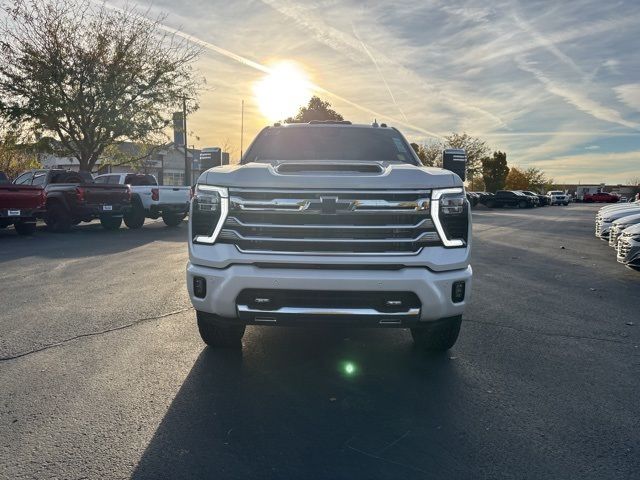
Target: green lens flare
{"x":349,"y":368}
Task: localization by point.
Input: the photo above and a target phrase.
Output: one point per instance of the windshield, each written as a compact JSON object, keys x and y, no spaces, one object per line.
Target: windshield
{"x":330,"y":143}
{"x":556,"y":193}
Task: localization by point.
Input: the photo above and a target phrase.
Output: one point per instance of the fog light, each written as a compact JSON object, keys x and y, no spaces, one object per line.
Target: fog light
{"x":457,"y":292}
{"x":199,"y":287}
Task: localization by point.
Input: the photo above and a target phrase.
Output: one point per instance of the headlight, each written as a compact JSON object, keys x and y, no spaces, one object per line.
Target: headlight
{"x":450,"y":213}
{"x":209,"y":209}
{"x":452,"y":204}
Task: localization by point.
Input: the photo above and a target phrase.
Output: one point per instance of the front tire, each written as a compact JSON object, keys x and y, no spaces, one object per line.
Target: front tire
{"x":25,"y":228}
{"x":439,"y":336}
{"x":218,"y":335}
{"x":172,"y":219}
{"x":110,"y":223}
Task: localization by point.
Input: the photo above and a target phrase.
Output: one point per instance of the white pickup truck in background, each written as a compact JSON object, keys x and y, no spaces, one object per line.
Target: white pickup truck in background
{"x":150,"y":200}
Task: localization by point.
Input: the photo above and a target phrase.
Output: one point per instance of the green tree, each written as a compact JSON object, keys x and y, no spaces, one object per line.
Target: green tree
{"x":495,"y":171}
{"x":15,"y":157}
{"x":91,"y":76}
{"x":475,"y":148}
{"x":317,"y":109}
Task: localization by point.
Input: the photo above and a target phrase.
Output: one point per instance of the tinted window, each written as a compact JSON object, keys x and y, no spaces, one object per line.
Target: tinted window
{"x":140,"y":180}
{"x":100,"y":180}
{"x":330,"y":143}
{"x":24,"y":179}
{"x":39,"y":178}
{"x":66,"y":177}
{"x":113,"y":179}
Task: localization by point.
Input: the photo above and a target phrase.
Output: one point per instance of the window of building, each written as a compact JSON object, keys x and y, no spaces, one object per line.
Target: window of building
{"x":173,"y":178}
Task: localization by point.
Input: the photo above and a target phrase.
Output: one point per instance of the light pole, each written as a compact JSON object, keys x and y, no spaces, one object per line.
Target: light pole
{"x":187,"y":167}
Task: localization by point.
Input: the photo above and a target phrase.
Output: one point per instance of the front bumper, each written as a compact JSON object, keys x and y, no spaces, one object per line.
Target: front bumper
{"x":628,"y":251}
{"x":434,"y":289}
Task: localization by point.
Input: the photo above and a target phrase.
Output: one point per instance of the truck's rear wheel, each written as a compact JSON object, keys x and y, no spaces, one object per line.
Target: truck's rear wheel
{"x":135,"y":217}
{"x":438,"y":336}
{"x":172,"y":219}
{"x":491,"y":204}
{"x":58,"y":218}
{"x":25,"y":228}
{"x":522,"y":204}
{"x":216,"y":334}
{"x":110,"y":223}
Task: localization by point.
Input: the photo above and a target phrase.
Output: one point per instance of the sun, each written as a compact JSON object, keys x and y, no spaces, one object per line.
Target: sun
{"x":283,"y":91}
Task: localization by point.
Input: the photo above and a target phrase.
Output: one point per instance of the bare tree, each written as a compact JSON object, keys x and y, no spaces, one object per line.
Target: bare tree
{"x":91,"y":75}
{"x":635,"y":181}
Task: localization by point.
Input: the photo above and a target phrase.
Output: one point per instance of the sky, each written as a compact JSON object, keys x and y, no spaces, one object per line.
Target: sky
{"x":554,"y":84}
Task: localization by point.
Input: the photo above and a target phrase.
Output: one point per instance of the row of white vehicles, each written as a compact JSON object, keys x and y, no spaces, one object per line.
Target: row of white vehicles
{"x":619,"y":224}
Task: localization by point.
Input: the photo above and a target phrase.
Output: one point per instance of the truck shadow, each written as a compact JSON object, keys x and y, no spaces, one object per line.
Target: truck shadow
{"x":85,"y":240}
{"x":290,"y":407}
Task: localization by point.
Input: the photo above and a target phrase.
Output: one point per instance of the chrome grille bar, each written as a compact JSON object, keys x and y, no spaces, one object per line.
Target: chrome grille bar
{"x":361,"y":222}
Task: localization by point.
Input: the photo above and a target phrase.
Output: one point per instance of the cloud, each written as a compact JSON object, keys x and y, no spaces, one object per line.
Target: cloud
{"x":629,"y":94}
{"x":574,"y":97}
{"x":593,"y":167}
{"x":592,"y":147}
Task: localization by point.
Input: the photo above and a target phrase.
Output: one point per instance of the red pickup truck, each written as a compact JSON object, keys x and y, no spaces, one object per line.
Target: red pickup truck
{"x":20,"y":205}
{"x":600,"y":197}
{"x":73,"y":197}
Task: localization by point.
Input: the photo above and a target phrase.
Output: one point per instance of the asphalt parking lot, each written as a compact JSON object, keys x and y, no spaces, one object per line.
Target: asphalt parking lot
{"x":103,"y":374}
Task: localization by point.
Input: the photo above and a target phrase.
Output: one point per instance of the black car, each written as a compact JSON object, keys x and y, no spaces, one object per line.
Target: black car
{"x":473,"y":198}
{"x":506,"y":198}
{"x":543,"y":200}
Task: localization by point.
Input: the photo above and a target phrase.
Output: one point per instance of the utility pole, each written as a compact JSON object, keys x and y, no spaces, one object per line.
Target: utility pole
{"x":241,"y":129}
{"x":187,"y":167}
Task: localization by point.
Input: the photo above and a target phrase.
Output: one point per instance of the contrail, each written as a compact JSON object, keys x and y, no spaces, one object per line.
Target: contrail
{"x":384,"y":80}
{"x":265,"y":69}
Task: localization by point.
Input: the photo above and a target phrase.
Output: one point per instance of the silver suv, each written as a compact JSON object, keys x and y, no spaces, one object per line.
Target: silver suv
{"x":330,"y":223}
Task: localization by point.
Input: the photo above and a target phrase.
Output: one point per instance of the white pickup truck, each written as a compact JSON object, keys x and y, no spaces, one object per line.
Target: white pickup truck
{"x":150,"y":200}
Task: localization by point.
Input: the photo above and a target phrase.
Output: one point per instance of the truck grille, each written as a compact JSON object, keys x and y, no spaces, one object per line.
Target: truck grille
{"x":614,"y":233}
{"x":334,"y":222}
{"x":623,"y":249}
{"x":598,"y":226}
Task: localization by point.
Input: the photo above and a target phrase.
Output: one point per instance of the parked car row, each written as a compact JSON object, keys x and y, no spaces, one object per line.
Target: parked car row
{"x":63,"y":198}
{"x":619,"y":224}
{"x":519,"y":199}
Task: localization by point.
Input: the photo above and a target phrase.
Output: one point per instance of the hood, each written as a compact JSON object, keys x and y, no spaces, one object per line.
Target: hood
{"x":330,"y":175}
{"x":616,"y":214}
{"x":615,"y":206}
{"x":631,"y":218}
{"x":633,"y":230}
